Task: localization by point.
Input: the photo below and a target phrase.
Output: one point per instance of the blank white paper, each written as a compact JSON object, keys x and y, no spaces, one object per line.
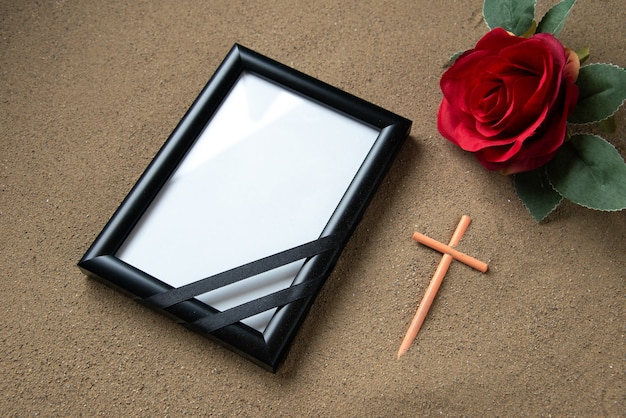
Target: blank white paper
{"x":265,"y":175}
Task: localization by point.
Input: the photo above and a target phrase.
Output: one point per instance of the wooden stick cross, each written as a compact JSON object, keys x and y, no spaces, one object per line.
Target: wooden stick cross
{"x":449,"y":253}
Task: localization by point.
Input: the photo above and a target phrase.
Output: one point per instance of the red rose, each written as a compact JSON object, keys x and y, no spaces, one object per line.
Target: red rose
{"x":508,"y":99}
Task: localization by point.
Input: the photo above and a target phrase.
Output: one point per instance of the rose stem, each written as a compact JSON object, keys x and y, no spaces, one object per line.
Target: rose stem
{"x":447,"y":249}
{"x":432,"y":289}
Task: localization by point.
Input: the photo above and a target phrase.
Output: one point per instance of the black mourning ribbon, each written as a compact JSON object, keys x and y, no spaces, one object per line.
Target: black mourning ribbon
{"x":219,"y":320}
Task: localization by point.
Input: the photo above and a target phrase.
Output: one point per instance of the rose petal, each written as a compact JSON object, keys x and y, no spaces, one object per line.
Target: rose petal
{"x":456,"y":131}
{"x":540,"y":149}
{"x":497,"y":39}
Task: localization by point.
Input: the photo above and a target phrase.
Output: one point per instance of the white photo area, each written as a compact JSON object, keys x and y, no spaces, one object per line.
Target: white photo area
{"x":265,"y":175}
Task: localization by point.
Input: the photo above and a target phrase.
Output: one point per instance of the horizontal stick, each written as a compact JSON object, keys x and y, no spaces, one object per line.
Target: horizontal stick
{"x":446,"y":249}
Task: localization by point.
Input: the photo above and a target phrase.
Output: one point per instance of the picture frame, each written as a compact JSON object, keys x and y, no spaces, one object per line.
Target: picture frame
{"x":239,"y":219}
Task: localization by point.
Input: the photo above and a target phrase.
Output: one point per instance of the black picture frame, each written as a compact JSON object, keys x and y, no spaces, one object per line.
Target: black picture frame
{"x":314,"y":259}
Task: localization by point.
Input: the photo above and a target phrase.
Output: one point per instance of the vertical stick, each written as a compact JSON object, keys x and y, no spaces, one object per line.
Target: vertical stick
{"x":433,"y":287}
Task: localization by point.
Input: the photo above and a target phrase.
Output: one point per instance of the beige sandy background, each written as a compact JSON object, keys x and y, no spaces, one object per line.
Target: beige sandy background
{"x":90,"y":91}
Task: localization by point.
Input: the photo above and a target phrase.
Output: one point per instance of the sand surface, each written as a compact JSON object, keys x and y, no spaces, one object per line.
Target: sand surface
{"x":90,"y":91}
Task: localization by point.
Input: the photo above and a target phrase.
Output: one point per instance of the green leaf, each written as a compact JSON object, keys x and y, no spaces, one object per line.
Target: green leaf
{"x":601,"y":91}
{"x":554,"y":20}
{"x":590,"y":172}
{"x":513,"y":15}
{"x":455,"y":56}
{"x":534,"y":190}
